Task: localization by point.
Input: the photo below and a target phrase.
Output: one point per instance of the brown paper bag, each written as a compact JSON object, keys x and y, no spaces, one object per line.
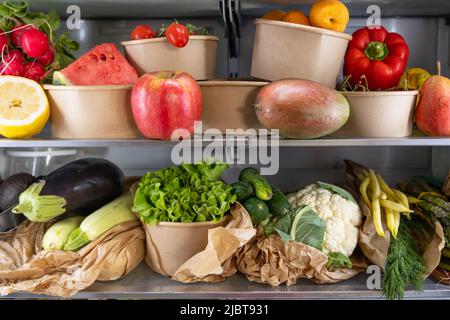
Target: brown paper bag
{"x":25,"y":267}
{"x":217,"y":261}
{"x":274,"y":261}
{"x":376,"y":248}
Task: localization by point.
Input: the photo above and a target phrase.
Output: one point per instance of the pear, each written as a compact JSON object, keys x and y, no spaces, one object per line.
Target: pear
{"x":433,"y":110}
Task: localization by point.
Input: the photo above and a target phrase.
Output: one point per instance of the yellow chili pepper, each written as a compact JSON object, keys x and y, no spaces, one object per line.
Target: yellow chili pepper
{"x":402,"y":198}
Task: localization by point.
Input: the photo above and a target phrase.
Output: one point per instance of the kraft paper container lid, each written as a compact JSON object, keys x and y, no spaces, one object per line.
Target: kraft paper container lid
{"x":305,"y":28}
{"x":164,"y":39}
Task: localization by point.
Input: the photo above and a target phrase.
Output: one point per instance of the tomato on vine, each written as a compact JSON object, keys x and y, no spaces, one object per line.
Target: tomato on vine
{"x":177,"y":34}
{"x":142,"y":31}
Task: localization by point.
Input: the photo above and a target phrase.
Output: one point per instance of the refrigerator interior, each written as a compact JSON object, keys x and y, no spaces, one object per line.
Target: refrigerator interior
{"x":427,"y":31}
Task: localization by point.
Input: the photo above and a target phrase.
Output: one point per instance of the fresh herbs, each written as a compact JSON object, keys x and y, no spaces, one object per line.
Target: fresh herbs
{"x":302,"y":224}
{"x":404,"y":266}
{"x":188,"y":193}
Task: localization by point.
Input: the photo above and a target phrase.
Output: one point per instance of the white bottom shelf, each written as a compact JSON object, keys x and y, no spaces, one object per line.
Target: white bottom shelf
{"x":145,"y":284}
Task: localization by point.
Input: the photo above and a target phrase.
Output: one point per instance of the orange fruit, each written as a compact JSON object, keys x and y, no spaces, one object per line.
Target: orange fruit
{"x":329,"y":14}
{"x":274,"y":15}
{"x":296,"y":16}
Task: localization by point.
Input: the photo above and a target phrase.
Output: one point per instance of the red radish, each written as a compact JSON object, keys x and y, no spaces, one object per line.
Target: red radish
{"x":13,"y":55}
{"x":34,"y":71}
{"x":47,"y":58}
{"x":12,"y":68}
{"x":35,"y":43}
{"x":17,"y":32}
{"x":3,"y":39}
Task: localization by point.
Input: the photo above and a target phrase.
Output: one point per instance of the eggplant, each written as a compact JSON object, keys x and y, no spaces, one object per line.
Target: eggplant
{"x":11,"y":188}
{"x":81,"y":186}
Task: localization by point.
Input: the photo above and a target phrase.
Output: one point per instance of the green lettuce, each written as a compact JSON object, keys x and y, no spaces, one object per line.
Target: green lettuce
{"x":188,"y":193}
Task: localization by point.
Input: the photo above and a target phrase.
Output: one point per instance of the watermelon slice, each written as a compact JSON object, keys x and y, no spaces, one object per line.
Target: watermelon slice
{"x":103,"y":65}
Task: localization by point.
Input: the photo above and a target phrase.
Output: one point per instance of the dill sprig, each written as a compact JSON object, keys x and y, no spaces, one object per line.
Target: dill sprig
{"x":404,"y":266}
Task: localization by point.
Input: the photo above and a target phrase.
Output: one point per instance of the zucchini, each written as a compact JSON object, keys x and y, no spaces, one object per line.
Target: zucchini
{"x":278,"y":204}
{"x":258,"y":209}
{"x":262,"y":188}
{"x":57,"y":235}
{"x":94,"y":225}
{"x":243,"y":190}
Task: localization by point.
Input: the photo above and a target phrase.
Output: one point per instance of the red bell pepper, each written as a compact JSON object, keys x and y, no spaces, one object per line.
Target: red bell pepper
{"x":378,"y":56}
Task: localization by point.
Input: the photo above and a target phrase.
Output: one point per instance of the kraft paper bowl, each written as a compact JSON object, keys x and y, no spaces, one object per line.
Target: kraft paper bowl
{"x":91,"y":112}
{"x":388,"y":114}
{"x":198,"y":58}
{"x":284,"y":50}
{"x":228,"y":104}
{"x":171,"y":244}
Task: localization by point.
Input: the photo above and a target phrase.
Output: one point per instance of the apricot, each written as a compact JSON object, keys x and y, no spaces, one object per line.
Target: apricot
{"x":329,"y":14}
{"x":296,"y":16}
{"x":274,"y":15}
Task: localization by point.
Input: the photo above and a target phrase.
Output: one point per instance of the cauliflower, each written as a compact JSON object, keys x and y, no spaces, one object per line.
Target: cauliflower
{"x":342,"y":217}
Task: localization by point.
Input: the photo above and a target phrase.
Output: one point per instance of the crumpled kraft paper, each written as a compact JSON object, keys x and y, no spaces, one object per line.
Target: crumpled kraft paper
{"x":218,"y":260}
{"x":273,"y":261}
{"x":25,"y":267}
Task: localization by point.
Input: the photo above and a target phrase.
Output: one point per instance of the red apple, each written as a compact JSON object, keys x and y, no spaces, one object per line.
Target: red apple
{"x":165,"y":101}
{"x":433,"y":110}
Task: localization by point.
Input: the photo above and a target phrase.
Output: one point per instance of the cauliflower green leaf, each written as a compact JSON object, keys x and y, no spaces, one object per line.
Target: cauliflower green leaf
{"x":302,"y":224}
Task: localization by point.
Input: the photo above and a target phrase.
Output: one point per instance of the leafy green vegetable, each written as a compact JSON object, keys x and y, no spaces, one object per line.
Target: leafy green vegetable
{"x":302,"y":224}
{"x":18,"y":12}
{"x":337,"y":260}
{"x":404,"y":266}
{"x":335,"y":189}
{"x":183,"y":194}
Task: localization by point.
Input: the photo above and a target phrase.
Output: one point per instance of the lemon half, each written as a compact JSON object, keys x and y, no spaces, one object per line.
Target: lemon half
{"x":24,"y":107}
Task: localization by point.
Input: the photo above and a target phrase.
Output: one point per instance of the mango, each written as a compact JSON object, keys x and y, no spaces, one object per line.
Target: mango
{"x":301,"y":109}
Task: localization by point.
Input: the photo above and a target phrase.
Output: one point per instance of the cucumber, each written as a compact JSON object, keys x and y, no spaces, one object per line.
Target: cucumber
{"x":279,"y":204}
{"x":243,"y":190}
{"x":262,"y":188}
{"x":258,"y":209}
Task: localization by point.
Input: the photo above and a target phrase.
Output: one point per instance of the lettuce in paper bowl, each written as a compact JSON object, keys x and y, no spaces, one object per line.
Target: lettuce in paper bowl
{"x":187,"y":193}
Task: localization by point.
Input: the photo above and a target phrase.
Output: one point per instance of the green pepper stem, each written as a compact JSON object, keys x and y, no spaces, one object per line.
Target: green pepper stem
{"x":377,"y":51}
{"x":39,"y":208}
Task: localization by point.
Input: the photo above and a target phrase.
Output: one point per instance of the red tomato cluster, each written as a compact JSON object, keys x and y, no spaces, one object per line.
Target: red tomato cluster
{"x":176,"y":33}
{"x":25,"y":52}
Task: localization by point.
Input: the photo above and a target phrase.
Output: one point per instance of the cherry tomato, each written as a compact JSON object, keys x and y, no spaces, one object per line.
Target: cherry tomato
{"x":142,"y":31}
{"x":177,"y":34}
{"x":35,"y":43}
